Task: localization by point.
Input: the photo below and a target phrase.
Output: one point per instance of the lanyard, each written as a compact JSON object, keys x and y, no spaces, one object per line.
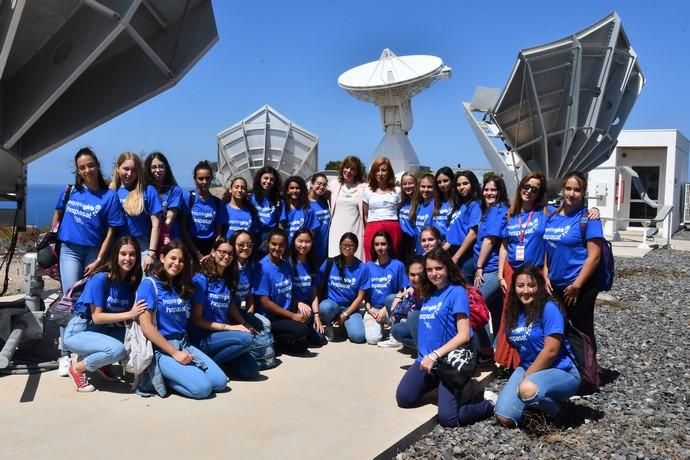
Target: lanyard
{"x":523,"y":229}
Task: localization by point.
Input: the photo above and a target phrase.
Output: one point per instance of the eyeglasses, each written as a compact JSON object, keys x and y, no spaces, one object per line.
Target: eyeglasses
{"x":245,"y":246}
{"x":157,"y":167}
{"x":531,"y":188}
{"x":224,"y":253}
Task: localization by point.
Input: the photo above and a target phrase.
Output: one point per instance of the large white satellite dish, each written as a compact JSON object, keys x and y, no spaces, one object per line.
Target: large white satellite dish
{"x":391,"y":83}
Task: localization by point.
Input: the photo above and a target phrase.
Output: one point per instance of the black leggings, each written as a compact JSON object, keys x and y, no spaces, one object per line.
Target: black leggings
{"x":288,"y":330}
{"x":582,"y":313}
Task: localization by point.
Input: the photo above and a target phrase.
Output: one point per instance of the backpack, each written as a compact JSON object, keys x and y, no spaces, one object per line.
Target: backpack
{"x":582,"y":353}
{"x":60,"y":311}
{"x":605,"y":271}
{"x":479,"y":312}
{"x":139,"y":349}
{"x":262,"y":349}
{"x":48,"y":249}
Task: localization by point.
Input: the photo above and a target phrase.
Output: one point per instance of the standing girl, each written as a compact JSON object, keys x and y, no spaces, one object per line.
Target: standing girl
{"x":572,"y":254}
{"x":422,"y":208}
{"x":347,"y":212}
{"x":87,"y":221}
{"x":535,"y":326}
{"x":241,"y":214}
{"x":461,"y":235}
{"x":380,"y":205}
{"x":266,"y":200}
{"x":97,"y":330}
{"x":318,"y":201}
{"x":226,"y":343}
{"x":408,"y":190}
{"x":298,"y":211}
{"x":141,"y":203}
{"x":168,"y":294}
{"x":160,"y":175}
{"x":446,"y":204}
{"x":444,"y":326}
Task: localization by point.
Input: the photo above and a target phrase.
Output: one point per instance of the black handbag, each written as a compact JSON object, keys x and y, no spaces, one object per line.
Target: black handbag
{"x":48,"y":249}
{"x":457,"y":368}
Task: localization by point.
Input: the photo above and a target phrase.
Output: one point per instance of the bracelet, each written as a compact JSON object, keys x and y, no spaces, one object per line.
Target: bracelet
{"x":434,"y":353}
{"x":345,"y":314}
{"x":316,"y":313}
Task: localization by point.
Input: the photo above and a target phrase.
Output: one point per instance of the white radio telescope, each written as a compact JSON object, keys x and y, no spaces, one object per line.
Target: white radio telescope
{"x":391,"y":83}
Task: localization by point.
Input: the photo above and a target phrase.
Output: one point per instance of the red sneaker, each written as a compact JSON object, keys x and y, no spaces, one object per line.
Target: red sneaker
{"x":80,"y":380}
{"x":106,"y":373}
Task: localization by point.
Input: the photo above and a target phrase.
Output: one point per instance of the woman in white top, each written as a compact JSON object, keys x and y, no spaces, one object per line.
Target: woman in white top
{"x":380,"y":206}
{"x":347,"y":214}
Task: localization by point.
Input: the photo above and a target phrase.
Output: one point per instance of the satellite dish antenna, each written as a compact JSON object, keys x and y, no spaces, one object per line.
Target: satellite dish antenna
{"x":391,"y":83}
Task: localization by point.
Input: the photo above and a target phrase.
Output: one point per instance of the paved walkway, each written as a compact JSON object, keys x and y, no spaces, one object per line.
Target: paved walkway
{"x":338,"y":404}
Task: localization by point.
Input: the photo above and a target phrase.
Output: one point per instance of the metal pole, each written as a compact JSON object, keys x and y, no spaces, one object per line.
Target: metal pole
{"x":11,"y":345}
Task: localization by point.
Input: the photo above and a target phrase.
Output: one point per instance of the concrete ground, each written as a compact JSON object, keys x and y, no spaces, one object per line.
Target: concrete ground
{"x":340,"y":403}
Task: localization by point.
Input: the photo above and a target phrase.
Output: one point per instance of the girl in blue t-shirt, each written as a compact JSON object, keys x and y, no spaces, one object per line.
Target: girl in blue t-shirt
{"x":447,"y":201}
{"x":86,"y":222}
{"x":241,"y":214}
{"x":347,"y":284}
{"x":535,"y":326}
{"x":318,"y":201}
{"x":572,"y":254}
{"x":159,"y":174}
{"x":489,"y":231}
{"x":422,"y":207}
{"x":430,"y":239}
{"x":272,"y":288}
{"x":298,"y":212}
{"x":461,"y":234}
{"x":169,"y":294}
{"x":408,"y":190}
{"x":141,"y":203}
{"x":266,"y":200}
{"x":444,"y":326}
{"x":388,"y":279}
{"x":214,"y":332}
{"x":97,"y":328}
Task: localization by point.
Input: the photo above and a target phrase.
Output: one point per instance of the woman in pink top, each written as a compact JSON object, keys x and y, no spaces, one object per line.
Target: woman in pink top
{"x":347,"y":214}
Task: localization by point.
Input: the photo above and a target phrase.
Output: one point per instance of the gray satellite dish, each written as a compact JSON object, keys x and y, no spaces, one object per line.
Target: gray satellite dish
{"x":391,"y":83}
{"x":68,"y":66}
{"x":266,"y":138}
{"x":563,"y":106}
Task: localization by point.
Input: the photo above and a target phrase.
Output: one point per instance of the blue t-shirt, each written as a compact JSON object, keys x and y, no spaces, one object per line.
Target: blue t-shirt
{"x":302,"y":283}
{"x":140,"y":226}
{"x":119,"y":298}
{"x":300,"y":218}
{"x":491,"y":225}
{"x":323,"y":215}
{"x":245,"y":275}
{"x":240,"y":219}
{"x":566,"y":246}
{"x":385,"y":280}
{"x":442,"y":219}
{"x":215,"y":296}
{"x":88,"y":215}
{"x":466,"y":217}
{"x":205,"y":215}
{"x":268,"y":213}
{"x":437,"y":322}
{"x":274,"y":281}
{"x":528,"y":340}
{"x":172,"y":312}
{"x":423,"y":219}
{"x":529,"y":229}
{"x":172,"y":198}
{"x":344,"y":289}
{"x":404,"y":219}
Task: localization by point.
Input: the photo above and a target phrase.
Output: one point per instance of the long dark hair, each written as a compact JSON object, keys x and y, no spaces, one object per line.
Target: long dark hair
{"x":474,"y":183}
{"x":78,"y":181}
{"x":452,"y":198}
{"x":417,"y":199}
{"x":354,"y":162}
{"x":311,"y":263}
{"x":182,"y":283}
{"x":339,"y":260}
{"x":209,"y":268}
{"x":111,"y":267}
{"x":454,"y":275}
{"x":516,"y":205}
{"x":501,"y":192}
{"x":168,"y":179}
{"x":303,"y":200}
{"x":513,"y":307}
{"x":389,"y":241}
{"x":273,"y":194}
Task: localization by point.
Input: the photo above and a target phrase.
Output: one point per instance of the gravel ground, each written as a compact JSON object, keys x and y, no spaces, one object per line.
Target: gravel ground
{"x":642,"y":411}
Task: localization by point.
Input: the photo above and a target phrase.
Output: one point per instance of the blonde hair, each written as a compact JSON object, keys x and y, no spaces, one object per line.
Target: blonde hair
{"x":134,"y":203}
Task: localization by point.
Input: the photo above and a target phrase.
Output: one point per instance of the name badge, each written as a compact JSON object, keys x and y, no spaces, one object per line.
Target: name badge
{"x":520,"y":252}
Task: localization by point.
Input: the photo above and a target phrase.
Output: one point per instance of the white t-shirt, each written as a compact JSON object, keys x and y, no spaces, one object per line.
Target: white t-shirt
{"x":382,"y":206}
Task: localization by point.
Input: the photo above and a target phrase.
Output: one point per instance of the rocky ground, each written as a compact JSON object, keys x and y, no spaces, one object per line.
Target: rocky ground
{"x":642,"y":411}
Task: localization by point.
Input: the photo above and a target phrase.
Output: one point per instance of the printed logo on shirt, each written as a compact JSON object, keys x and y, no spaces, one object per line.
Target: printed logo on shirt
{"x":337,"y":281}
{"x":79,"y":210}
{"x":284,"y":287}
{"x":381,"y":282}
{"x":303,"y":281}
{"x":117,"y":305}
{"x":219,"y":301}
{"x":515,"y":229}
{"x":429,"y":312}
{"x":203,"y":217}
{"x":175,"y":306}
{"x":556,"y":233}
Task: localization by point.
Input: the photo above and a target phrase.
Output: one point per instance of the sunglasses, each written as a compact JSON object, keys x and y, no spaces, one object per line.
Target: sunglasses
{"x":531,"y":188}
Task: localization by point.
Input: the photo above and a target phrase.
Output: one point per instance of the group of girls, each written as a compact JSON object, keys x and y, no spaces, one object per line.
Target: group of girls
{"x":288,"y":257}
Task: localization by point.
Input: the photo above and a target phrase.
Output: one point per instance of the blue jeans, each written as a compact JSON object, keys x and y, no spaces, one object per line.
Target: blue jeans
{"x":354,"y":325}
{"x":73,"y":259}
{"x":189,"y":380}
{"x":491,"y":291}
{"x":553,"y":386}
{"x":99,"y":345}
{"x":406,"y":331}
{"x":232,"y":348}
{"x":144,"y":242}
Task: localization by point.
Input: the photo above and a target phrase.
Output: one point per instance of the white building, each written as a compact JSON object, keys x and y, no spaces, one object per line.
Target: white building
{"x":660,"y":158}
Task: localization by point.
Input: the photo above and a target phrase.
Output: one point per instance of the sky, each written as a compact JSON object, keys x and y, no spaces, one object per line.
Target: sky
{"x":289,"y":55}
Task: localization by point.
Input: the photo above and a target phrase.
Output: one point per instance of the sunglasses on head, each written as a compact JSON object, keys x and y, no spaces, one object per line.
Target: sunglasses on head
{"x":531,"y":188}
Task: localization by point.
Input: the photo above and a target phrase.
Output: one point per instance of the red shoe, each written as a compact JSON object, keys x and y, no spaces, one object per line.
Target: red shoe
{"x":80,"y":380}
{"x":106,"y":373}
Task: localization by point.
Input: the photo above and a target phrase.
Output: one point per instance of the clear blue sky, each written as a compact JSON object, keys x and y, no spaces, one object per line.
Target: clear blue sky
{"x":290,"y":54}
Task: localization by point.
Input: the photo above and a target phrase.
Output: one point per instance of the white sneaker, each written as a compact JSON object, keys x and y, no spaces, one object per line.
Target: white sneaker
{"x":390,"y":343}
{"x":64,"y":364}
{"x":491,"y":397}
